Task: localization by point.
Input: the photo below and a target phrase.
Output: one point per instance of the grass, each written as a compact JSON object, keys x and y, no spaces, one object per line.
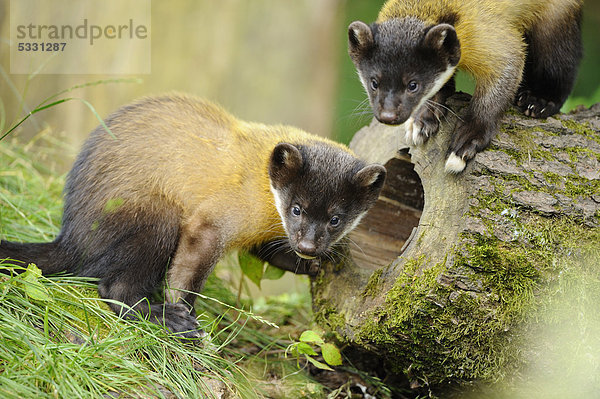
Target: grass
{"x":67,"y":343}
{"x":72,"y":346}
{"x":29,"y":193}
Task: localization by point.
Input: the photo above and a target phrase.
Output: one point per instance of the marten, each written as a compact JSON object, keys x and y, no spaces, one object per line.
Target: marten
{"x":179,"y":182}
{"x":525,"y":51}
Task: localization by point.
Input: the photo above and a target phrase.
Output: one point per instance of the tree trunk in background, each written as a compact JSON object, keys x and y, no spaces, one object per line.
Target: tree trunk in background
{"x":450,"y":279}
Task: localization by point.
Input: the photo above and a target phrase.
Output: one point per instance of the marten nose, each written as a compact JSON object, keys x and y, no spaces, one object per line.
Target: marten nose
{"x":307,"y":247}
{"x":388,"y":117}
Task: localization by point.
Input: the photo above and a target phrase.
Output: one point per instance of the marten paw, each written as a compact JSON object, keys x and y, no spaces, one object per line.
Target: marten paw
{"x":314,"y":267}
{"x":421,"y":127}
{"x":468,"y":140}
{"x":536,"y":107}
{"x":177,"y":318}
{"x":308,"y":266}
{"x":455,"y":164}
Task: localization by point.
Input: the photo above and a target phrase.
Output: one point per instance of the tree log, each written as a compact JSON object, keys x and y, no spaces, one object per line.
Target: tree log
{"x":449,"y":277}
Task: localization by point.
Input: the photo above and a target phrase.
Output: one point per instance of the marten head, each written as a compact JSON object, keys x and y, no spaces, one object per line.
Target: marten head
{"x":321,"y":192}
{"x":402,"y":63}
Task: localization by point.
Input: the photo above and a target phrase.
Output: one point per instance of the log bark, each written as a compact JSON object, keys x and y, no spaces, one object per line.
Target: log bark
{"x":449,"y":276}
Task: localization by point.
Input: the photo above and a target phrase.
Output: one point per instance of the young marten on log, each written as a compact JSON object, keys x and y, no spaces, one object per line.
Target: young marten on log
{"x":523,"y":51}
{"x":181,"y":182}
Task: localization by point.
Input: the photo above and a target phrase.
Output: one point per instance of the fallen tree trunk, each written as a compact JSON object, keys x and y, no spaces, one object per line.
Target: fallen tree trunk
{"x":449,"y":278}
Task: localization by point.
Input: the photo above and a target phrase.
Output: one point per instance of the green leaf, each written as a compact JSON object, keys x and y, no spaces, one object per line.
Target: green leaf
{"x":273,"y":273}
{"x":311,"y":336}
{"x":32,"y":286}
{"x":252,"y":267}
{"x":305,"y":349}
{"x":318,"y":364}
{"x":301,"y":348}
{"x":331,"y":354}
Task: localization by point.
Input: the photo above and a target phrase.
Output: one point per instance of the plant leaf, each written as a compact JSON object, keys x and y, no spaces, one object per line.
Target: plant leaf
{"x":32,"y":286}
{"x":318,"y":364}
{"x":305,"y":349}
{"x":331,"y":354}
{"x":273,"y":273}
{"x":311,"y":336}
{"x":252,"y":267}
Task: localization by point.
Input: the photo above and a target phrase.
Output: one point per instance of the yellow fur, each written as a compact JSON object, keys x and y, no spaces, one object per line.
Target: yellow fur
{"x":207,"y":167}
{"x":490,"y":31}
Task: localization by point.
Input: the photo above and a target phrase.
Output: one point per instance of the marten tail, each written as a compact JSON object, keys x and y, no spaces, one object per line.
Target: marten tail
{"x":48,"y":256}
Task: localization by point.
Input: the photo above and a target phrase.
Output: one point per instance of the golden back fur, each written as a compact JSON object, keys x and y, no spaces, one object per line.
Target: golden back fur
{"x":490,"y":31}
{"x":194,"y":154}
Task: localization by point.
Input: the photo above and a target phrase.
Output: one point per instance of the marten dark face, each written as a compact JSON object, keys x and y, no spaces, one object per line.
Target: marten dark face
{"x":321,"y":193}
{"x":402,"y":63}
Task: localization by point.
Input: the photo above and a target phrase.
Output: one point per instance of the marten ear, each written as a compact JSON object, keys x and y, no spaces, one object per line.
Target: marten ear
{"x":442,"y":38}
{"x":285,"y":164}
{"x":371,"y":177}
{"x":360,"y":38}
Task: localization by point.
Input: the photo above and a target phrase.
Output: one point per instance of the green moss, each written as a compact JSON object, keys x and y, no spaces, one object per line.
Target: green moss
{"x":523,"y":183}
{"x":553,"y":178}
{"x":511,"y":272}
{"x":575,"y":153}
{"x":404,"y":316}
{"x":497,"y":201}
{"x":443,"y":333}
{"x":528,"y":149}
{"x":577,"y":186}
{"x":583,"y":129}
{"x":327,"y":316}
{"x":523,"y":138}
{"x":437,"y":333}
{"x":437,"y":339}
{"x":572,"y":185}
{"x":372,"y":287}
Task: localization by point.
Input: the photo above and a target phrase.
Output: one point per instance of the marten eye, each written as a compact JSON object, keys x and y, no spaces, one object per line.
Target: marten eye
{"x":412,"y":87}
{"x":374,"y":84}
{"x":296,"y":211}
{"x":335,"y":221}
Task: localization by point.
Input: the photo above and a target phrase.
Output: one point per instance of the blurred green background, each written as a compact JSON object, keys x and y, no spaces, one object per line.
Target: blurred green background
{"x":264,"y":60}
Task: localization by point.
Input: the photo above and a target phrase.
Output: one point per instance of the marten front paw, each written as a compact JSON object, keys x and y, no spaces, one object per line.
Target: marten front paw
{"x":534,"y":106}
{"x":468,"y":140}
{"x":309,"y":266}
{"x":177,"y":318}
{"x":422,"y":126}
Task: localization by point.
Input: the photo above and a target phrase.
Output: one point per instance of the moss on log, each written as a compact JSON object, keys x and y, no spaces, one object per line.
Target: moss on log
{"x":450,"y":277}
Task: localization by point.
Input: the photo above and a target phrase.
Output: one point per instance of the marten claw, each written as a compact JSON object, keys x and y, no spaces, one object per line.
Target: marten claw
{"x":536,"y":107}
{"x":421,"y":127}
{"x":468,"y":140}
{"x":414,"y":132}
